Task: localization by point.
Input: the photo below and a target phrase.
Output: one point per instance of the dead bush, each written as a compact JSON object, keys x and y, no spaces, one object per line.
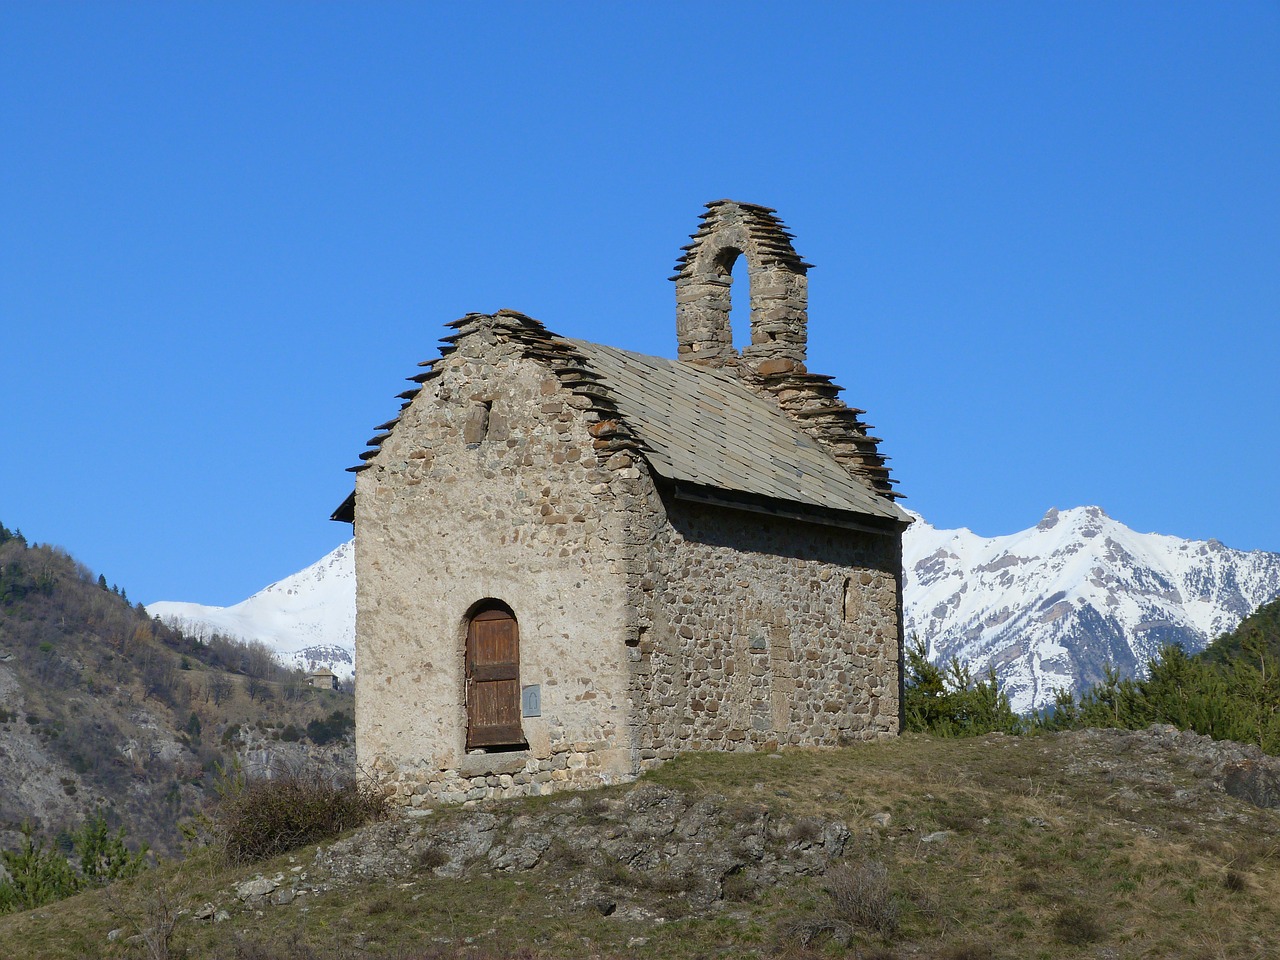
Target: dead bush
{"x":743,"y":814}
{"x":740,"y":887}
{"x":432,"y":858}
{"x":1029,"y":883}
{"x":667,"y":881}
{"x":1077,"y":925}
{"x":257,"y":819}
{"x":806,"y":830}
{"x":562,"y":856}
{"x":1235,"y":881}
{"x":615,"y":874}
{"x":860,"y":898}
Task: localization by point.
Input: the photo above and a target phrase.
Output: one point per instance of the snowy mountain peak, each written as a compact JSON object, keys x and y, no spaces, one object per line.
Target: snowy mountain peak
{"x":308,"y":618}
{"x":1050,"y":605}
{"x":1050,"y":520}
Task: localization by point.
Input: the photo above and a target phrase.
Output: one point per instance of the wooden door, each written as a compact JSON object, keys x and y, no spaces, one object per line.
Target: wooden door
{"x":493,"y":681}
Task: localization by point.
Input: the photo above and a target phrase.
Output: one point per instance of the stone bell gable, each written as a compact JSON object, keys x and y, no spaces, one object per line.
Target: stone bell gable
{"x":779,"y":288}
{"x":574,"y":561}
{"x":773,"y":363}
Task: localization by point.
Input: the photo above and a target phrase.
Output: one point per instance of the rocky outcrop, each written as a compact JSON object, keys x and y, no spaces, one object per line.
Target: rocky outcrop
{"x":1162,"y":755}
{"x":651,"y":853}
{"x":637,"y":852}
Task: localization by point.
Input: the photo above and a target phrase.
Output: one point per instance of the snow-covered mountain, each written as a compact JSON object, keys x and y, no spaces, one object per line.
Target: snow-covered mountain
{"x":1047,"y":607}
{"x":308,"y":618}
{"x":1050,"y":605}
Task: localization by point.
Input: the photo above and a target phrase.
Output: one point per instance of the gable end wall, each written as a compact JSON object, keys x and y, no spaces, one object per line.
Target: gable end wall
{"x":492,"y":486}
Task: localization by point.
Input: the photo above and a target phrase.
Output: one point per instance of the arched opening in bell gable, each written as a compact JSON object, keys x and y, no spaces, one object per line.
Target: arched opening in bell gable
{"x":738,"y":295}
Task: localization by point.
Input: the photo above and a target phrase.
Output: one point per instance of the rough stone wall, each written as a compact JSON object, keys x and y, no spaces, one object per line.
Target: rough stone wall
{"x":492,"y":485}
{"x":764,"y":632}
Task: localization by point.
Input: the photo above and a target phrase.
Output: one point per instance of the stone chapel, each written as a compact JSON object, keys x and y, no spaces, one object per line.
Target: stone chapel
{"x":574,"y":562}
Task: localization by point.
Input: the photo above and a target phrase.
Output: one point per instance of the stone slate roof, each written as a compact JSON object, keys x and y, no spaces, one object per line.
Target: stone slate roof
{"x":692,"y":424}
{"x":703,"y":426}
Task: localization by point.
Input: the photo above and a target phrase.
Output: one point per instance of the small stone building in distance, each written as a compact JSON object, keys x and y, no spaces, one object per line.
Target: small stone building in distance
{"x":322,"y":679}
{"x":574,"y":562}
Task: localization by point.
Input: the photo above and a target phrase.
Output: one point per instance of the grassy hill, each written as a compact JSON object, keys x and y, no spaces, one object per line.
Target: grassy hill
{"x":1078,"y":843}
{"x":1070,"y":845}
{"x":103,"y":708}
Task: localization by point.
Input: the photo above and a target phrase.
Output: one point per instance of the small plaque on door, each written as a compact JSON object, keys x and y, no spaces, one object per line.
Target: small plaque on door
{"x":531,"y":700}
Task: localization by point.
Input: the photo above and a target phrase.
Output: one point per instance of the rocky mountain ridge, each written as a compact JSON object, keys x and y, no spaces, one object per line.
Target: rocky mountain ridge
{"x":1050,"y":606}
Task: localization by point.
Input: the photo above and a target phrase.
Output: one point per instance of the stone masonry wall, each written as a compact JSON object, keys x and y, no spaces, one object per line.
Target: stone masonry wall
{"x":765,"y":632}
{"x":492,"y":485}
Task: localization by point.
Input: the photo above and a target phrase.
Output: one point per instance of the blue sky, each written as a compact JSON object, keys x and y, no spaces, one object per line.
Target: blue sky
{"x":1046,"y":237}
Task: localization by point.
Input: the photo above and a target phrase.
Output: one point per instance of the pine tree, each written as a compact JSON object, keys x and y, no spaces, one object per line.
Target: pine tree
{"x":103,"y":856}
{"x":36,"y":875}
{"x":949,"y":702}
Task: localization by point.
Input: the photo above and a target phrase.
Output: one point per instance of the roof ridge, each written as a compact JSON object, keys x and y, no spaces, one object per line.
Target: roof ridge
{"x":690,"y":423}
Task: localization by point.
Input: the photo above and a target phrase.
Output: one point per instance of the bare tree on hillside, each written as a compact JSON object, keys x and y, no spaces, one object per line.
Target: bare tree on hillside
{"x":218,"y":688}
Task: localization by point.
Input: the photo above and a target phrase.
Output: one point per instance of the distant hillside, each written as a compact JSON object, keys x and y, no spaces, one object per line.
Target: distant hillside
{"x":102,"y":706}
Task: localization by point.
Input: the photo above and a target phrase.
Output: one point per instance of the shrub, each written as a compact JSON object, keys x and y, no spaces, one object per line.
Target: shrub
{"x":950,"y":702}
{"x":806,"y":830}
{"x":332,"y":727}
{"x":38,"y":874}
{"x":257,"y":819}
{"x":104,"y":857}
{"x":1230,"y":691}
{"x":1077,"y":925}
{"x":862,"y":897}
{"x":432,"y":858}
{"x":740,"y":887}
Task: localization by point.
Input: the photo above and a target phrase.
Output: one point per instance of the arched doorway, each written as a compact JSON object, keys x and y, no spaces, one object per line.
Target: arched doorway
{"x":493,"y":679}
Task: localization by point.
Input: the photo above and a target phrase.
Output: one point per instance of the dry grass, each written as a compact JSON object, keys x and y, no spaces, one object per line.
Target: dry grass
{"x":1047,"y":854}
{"x":860,"y":897}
